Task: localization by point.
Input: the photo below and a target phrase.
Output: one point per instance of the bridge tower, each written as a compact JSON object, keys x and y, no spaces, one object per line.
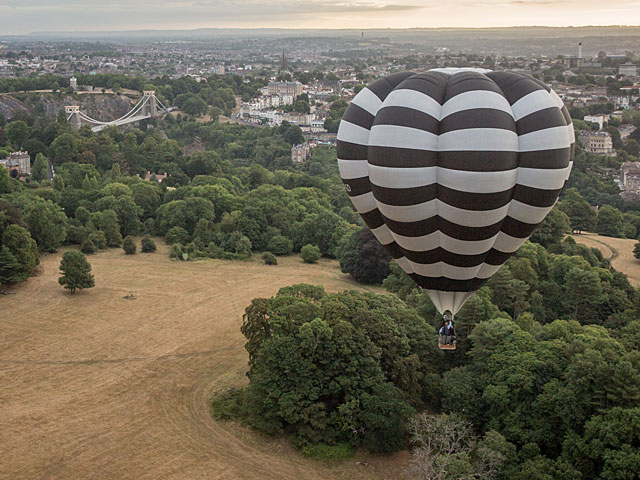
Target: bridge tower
{"x":151,"y":107}
{"x":73,"y":115}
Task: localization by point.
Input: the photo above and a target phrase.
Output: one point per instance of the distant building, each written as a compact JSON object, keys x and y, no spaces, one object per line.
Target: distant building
{"x":628,"y":70}
{"x":157,"y":177}
{"x":300,"y":153}
{"x":599,"y":119}
{"x":285,"y":88}
{"x":298,"y":118}
{"x":330,"y":85}
{"x":18,"y":162}
{"x":218,"y":70}
{"x":73,"y":83}
{"x":197,"y":78}
{"x":573,"y":62}
{"x":630,"y":180}
{"x":599,"y":143}
{"x":317,"y":125}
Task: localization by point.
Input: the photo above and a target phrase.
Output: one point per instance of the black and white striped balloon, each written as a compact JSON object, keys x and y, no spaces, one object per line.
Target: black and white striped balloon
{"x":453,"y":169}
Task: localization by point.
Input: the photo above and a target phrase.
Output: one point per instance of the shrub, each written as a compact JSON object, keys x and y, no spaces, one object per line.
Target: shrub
{"x":88,"y":246}
{"x":150,"y":226}
{"x":99,"y":240}
{"x":229,"y":405}
{"x":238,"y":244}
{"x":269,"y":258}
{"x":76,"y":234}
{"x":129,"y":245}
{"x":321,"y":451}
{"x":310,"y":253}
{"x":280,"y":245}
{"x":177,"y":235}
{"x":176,"y":251}
{"x":148,"y":245}
{"x":214,"y":251}
{"x":189,"y":251}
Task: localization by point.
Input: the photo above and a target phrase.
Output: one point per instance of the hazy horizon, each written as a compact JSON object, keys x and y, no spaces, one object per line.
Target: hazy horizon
{"x":23,"y":17}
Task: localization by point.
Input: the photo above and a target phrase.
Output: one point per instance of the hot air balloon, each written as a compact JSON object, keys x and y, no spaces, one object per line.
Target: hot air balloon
{"x":453,"y":169}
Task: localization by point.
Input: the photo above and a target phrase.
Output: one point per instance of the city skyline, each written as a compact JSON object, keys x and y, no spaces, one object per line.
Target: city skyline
{"x":27,"y":16}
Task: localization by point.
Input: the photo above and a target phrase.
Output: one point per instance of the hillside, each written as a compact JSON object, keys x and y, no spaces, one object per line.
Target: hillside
{"x":102,"y":107}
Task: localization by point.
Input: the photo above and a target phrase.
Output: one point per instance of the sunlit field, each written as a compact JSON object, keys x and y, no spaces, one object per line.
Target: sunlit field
{"x":98,"y":386}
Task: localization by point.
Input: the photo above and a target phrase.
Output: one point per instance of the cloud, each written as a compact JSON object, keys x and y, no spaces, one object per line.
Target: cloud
{"x":23,"y":16}
{"x":536,"y":2}
{"x":296,"y":6}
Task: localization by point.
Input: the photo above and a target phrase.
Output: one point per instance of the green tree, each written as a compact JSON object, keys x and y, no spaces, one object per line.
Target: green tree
{"x":609,"y":449}
{"x":75,"y":271}
{"x":292,"y":134}
{"x":324,"y":229}
{"x":5,"y":181}
{"x":58,"y":183}
{"x":280,"y":245}
{"x":177,"y":235}
{"x":302,"y":106}
{"x":632,"y":147}
{"x":99,"y":239}
{"x":609,"y":221}
{"x":310,"y":253}
{"x":108,"y":224}
{"x":88,"y":247}
{"x":552,"y":229}
{"x":64,"y":149}
{"x":127,"y":211}
{"x":507,"y":292}
{"x":195,"y":106}
{"x":46,"y":222}
{"x":19,"y":255}
{"x":40,"y":169}
{"x":362,"y":256}
{"x":11,"y":270}
{"x":346,"y":367}
{"x":206,"y":163}
{"x":147,"y":196}
{"x":336,"y":111}
{"x":238,"y":244}
{"x":17,"y":132}
{"x":584,"y":293}
{"x":636,"y":250}
{"x":581,"y":215}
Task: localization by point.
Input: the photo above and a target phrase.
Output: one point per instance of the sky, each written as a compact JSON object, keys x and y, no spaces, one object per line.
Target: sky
{"x":27,"y":16}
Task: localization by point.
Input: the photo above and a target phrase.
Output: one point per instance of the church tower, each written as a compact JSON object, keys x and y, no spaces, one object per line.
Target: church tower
{"x":283,"y":64}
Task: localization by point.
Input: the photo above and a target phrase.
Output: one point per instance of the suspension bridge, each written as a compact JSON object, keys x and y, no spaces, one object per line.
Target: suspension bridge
{"x":147,"y":107}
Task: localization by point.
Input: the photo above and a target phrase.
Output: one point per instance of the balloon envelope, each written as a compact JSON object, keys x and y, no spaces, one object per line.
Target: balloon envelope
{"x":453,"y":169}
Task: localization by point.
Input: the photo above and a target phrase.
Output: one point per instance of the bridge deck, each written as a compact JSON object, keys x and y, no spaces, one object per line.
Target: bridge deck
{"x":135,"y":118}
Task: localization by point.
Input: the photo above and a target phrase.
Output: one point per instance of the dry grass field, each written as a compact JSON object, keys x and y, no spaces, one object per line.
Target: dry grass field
{"x":620,"y":250}
{"x":94,"y":386}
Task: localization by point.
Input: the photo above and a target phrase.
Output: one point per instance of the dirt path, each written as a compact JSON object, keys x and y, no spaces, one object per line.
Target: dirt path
{"x":619,"y":250}
{"x":98,"y":387}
